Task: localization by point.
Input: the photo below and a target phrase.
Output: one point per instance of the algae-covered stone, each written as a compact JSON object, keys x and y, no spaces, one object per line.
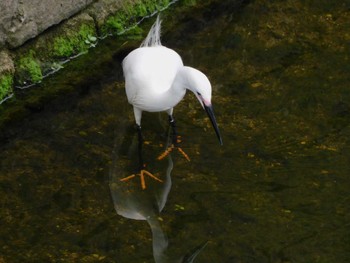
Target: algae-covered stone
{"x":28,"y":69}
{"x":102,"y":9}
{"x":130,"y":13}
{"x":75,"y":36}
{"x":40,"y":56}
{"x":6,"y":74}
{"x":6,"y":82}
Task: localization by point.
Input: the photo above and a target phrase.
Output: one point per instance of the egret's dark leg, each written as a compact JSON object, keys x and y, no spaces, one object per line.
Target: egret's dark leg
{"x":175,"y":141}
{"x":142,"y":172}
{"x":140,"y":142}
{"x":174,"y":135}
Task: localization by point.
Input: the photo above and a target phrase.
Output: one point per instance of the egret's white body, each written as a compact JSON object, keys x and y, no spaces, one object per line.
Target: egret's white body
{"x":150,"y":74}
{"x":156,"y":78}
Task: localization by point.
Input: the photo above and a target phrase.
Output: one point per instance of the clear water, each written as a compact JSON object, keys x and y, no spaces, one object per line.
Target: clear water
{"x":277,"y":191}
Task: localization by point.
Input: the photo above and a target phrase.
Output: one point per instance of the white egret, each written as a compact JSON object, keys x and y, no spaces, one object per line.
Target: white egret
{"x":156,"y":80}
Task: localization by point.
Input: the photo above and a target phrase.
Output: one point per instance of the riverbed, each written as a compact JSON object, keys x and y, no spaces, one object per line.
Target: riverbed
{"x":276,"y":191}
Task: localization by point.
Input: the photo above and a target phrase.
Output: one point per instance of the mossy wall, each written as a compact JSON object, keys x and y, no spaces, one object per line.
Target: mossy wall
{"x":130,"y":14}
{"x":48,"y":51}
{"x":6,"y":82}
{"x":7,"y":71}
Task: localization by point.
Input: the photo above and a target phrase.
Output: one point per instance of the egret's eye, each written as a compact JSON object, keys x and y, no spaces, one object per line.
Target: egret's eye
{"x":199,"y":94}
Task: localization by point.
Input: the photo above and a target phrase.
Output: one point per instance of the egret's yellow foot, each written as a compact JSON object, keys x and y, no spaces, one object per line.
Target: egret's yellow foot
{"x":142,"y":178}
{"x":170,"y":149}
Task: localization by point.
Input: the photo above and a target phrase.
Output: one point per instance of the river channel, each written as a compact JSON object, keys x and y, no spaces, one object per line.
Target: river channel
{"x":276,"y":191}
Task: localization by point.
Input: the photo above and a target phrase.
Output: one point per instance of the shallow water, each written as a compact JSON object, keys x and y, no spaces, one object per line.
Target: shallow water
{"x":276,"y":191}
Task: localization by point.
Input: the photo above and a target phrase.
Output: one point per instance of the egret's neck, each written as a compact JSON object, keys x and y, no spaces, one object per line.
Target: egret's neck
{"x":181,"y":82}
{"x":193,"y":80}
{"x":177,"y":91}
{"x":186,"y":78}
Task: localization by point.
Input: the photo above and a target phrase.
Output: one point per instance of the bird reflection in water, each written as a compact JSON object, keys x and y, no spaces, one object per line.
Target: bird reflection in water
{"x":146,"y":205}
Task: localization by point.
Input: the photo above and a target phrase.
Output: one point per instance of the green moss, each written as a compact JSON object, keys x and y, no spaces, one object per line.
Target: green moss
{"x":115,"y":23}
{"x":29,"y":69}
{"x":6,"y":82}
{"x":62,"y":47}
{"x":85,"y":37}
{"x":74,"y":42}
{"x":189,"y":2}
{"x":130,"y":14}
{"x":135,"y":33}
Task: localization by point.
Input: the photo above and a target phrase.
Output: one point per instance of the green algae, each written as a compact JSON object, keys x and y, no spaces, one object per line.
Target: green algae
{"x":63,"y":47}
{"x":129,"y":15}
{"x":6,"y":82}
{"x":28,"y":69}
{"x":74,"y":42}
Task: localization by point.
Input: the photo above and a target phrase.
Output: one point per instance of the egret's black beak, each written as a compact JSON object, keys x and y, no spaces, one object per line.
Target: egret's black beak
{"x":210,"y":112}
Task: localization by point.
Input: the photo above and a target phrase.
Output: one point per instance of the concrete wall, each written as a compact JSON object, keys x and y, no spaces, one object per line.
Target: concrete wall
{"x":21,"y":20}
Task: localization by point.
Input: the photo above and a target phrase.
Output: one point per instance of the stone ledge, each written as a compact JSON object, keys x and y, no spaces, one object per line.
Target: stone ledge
{"x":34,"y":47}
{"x":22,"y":20}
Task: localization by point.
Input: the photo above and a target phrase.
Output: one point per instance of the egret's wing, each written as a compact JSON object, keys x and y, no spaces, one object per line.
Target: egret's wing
{"x":149,"y":71}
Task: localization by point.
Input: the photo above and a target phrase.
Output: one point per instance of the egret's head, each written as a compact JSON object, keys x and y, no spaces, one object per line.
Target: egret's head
{"x":200,"y":85}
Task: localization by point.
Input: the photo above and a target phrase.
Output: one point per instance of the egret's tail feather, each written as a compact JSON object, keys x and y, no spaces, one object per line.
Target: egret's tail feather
{"x":153,"y":37}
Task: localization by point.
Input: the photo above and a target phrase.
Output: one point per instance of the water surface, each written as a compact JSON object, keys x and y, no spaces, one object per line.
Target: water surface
{"x":277,"y":191}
